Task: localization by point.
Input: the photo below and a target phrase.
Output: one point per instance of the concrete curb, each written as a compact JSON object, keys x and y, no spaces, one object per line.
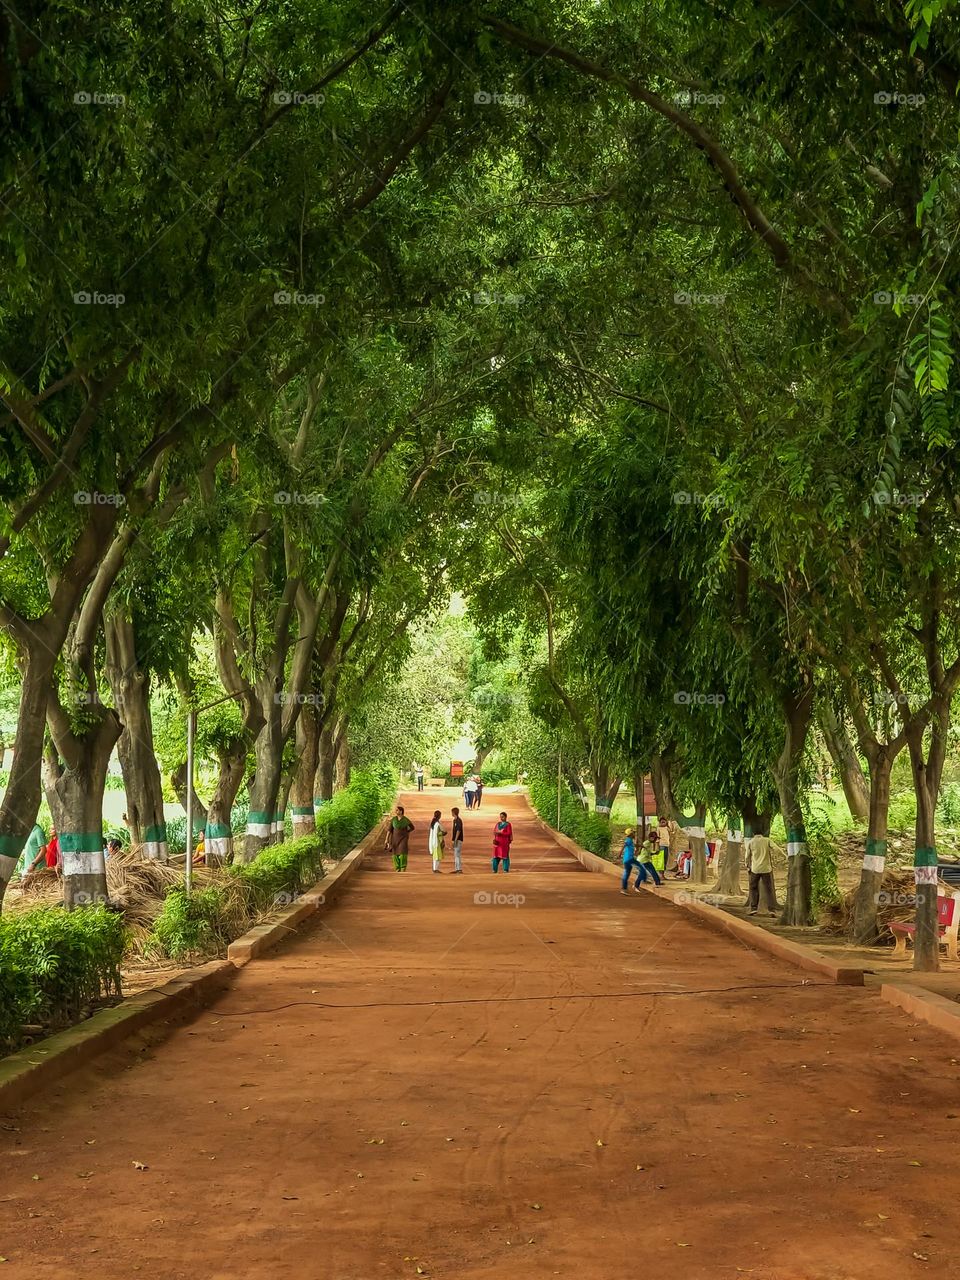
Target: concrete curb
{"x":925,"y":1006}
{"x":28,"y":1071}
{"x":263,"y":937}
{"x":795,"y":953}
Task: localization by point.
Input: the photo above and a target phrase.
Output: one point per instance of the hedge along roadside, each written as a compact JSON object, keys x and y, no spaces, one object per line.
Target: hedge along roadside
{"x":55,"y":966}
{"x":207,"y":921}
{"x":589,"y":830}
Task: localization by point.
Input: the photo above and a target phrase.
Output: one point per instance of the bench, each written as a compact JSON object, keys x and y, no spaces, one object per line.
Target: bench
{"x":437,"y":782}
{"x":948,"y":924}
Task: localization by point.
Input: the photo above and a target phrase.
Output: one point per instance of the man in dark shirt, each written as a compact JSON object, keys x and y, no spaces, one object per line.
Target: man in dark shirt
{"x":457,"y":838}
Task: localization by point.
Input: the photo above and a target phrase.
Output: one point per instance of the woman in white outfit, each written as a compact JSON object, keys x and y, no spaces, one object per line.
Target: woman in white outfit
{"x":435,"y":841}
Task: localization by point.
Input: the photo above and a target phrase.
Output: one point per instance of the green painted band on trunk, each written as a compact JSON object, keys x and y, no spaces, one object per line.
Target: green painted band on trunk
{"x":876,"y":847}
{"x":81,"y":842}
{"x":278,"y":817}
{"x":156,"y":833}
{"x":925,"y":858}
{"x":218,"y":830}
{"x":796,"y":835}
{"x":258,"y":816}
{"x":299,"y":811}
{"x":684,"y":821}
{"x":12,"y":846}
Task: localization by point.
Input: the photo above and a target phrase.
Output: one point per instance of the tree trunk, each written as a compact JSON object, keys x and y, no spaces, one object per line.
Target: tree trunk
{"x":798,"y":711}
{"x":662,"y":781}
{"x":864,"y":925}
{"x":21,"y":800}
{"x":698,"y":845}
{"x":728,"y":877}
{"x":79,"y":791}
{"x":605,"y":789}
{"x":479,"y":755}
{"x":218,"y":839}
{"x":344,"y":756}
{"x":326,"y":759}
{"x":178,"y":780}
{"x":847,"y":763}
{"x":283,"y":800}
{"x":264,"y":789}
{"x":577,"y":789}
{"x":141,"y":774}
{"x":926,"y":785}
{"x":301,"y":790}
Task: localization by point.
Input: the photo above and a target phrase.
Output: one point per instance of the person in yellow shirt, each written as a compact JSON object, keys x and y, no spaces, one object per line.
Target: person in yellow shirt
{"x":760,"y":873}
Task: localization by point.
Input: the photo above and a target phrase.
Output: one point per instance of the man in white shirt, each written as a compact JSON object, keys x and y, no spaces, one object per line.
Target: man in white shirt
{"x":760,"y":872}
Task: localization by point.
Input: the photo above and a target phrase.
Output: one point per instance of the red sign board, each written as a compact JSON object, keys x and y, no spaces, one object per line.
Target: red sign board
{"x":456,"y":768}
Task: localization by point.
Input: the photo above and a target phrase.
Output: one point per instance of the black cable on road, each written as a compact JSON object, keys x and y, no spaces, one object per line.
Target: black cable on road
{"x":585,"y":995}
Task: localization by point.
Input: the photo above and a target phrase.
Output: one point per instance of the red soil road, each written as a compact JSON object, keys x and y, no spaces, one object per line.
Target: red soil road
{"x":485,"y":1090}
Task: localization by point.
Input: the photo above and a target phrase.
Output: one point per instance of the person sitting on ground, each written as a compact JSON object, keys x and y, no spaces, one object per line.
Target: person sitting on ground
{"x":760,"y":873}
{"x":502,"y":840}
{"x":628,"y":856}
{"x":48,"y":856}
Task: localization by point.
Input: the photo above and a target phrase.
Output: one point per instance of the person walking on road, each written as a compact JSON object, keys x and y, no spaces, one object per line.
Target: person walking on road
{"x":469,"y":792}
{"x":435,"y":841}
{"x":400,"y":828}
{"x":628,"y":856}
{"x":418,"y":774}
{"x":760,"y":872}
{"x":456,"y":835}
{"x":502,"y":840}
{"x":478,"y":793}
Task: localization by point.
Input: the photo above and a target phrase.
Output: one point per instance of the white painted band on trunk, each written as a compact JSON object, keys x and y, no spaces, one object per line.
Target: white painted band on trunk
{"x":301,"y":819}
{"x":219,"y":845}
{"x":925,"y":875}
{"x":796,"y":846}
{"x":155,"y":849}
{"x":735,"y":837}
{"x":7,"y":867}
{"x":82,"y":864}
{"x":696,"y":833}
{"x":260,"y":829}
{"x":874,"y":862}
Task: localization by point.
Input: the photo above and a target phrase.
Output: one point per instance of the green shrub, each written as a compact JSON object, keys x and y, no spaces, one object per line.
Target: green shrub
{"x":282,"y":871}
{"x":192,"y":925}
{"x":589,"y":830}
{"x":54,"y":963}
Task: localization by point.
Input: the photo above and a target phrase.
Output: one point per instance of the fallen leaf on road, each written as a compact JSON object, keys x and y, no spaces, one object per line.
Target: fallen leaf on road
{"x":854,"y":1110}
{"x":599,"y":1143}
{"x":917,"y":1163}
{"x":536,"y":1206}
{"x":138,"y":1164}
{"x":922,"y":1256}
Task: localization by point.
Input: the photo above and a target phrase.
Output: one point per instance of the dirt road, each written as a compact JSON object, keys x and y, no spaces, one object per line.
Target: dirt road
{"x":564,"y":1082}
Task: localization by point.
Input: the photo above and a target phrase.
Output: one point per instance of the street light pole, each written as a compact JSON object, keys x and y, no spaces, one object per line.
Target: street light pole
{"x":191,"y":736}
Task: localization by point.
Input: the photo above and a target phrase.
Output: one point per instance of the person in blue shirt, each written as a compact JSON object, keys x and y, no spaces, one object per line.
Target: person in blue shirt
{"x":629,"y":858}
